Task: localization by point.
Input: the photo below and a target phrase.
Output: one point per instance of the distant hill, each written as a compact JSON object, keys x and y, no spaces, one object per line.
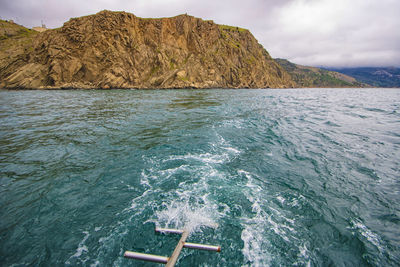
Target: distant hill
{"x":379,"y":77}
{"x":306,"y":76}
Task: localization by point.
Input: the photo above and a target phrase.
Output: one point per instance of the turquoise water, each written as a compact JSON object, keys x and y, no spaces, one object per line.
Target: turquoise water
{"x":276,"y":177}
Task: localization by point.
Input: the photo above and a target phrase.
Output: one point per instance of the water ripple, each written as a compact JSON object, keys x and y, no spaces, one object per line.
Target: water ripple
{"x":276,"y":177}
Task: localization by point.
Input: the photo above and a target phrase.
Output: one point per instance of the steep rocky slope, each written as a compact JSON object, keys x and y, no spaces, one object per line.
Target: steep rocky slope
{"x":305,"y":76}
{"x":120,"y":50}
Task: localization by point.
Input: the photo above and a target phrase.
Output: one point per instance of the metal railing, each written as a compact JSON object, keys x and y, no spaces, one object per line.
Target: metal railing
{"x":170,"y":261}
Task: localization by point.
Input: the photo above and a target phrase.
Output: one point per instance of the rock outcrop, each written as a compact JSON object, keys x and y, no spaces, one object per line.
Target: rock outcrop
{"x":120,"y":50}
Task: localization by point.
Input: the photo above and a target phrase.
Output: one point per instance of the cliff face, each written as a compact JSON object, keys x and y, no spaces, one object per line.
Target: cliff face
{"x":120,"y":50}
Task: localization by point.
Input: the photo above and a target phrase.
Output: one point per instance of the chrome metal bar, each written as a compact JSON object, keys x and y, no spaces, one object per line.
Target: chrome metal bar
{"x":169,"y":231}
{"x":171,"y":261}
{"x":201,"y":246}
{"x":145,"y":257}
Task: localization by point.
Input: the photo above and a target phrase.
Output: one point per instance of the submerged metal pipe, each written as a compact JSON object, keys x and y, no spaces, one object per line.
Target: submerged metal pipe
{"x":201,"y":246}
{"x":145,"y":257}
{"x":169,"y":231}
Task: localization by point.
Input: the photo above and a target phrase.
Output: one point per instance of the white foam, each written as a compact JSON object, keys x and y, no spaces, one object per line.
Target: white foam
{"x":233,"y":123}
{"x":82,"y":248}
{"x":302,"y":251}
{"x":280,"y":199}
{"x":144,"y":180}
{"x":289,"y":220}
{"x":294,"y":203}
{"x":367,"y":233}
{"x":255,"y":245}
{"x":265,"y":218}
{"x":182,"y":215}
{"x":247,"y":174}
{"x":303,"y":257}
{"x":190,"y":205}
{"x":280,"y":215}
{"x":191,"y":208}
{"x":277,"y":228}
{"x":204,"y":158}
{"x":253,"y":250}
{"x":167,"y":173}
{"x":232,"y":149}
{"x":130,"y":187}
{"x":121,"y":232}
{"x":136,"y":201}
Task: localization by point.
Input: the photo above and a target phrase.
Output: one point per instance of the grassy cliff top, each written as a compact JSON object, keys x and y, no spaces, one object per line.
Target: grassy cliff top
{"x":10,"y":29}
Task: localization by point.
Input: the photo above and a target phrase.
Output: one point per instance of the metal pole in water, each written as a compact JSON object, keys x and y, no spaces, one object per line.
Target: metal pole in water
{"x":171,"y":261}
{"x":145,"y":257}
{"x":169,"y":231}
{"x":203,"y":247}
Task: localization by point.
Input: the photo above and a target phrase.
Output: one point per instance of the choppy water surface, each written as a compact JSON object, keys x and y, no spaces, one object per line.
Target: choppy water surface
{"x":276,"y":177}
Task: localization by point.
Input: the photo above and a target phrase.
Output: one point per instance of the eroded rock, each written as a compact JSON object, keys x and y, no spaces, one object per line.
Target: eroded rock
{"x":120,"y":50}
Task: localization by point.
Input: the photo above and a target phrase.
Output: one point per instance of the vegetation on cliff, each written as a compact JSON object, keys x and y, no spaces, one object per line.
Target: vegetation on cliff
{"x":16,"y":43}
{"x":120,"y":50}
{"x":305,"y":76}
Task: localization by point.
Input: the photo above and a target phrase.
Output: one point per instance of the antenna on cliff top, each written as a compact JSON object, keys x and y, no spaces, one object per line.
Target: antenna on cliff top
{"x":170,"y":261}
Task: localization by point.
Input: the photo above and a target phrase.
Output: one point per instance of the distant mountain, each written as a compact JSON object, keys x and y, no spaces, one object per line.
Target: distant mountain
{"x":305,"y":76}
{"x":379,"y":77}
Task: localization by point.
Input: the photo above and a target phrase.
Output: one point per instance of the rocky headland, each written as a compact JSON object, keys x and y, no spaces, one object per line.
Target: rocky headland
{"x":119,"y":50}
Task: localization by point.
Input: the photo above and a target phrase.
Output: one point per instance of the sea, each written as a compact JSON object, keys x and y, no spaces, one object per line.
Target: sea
{"x":276,"y":177}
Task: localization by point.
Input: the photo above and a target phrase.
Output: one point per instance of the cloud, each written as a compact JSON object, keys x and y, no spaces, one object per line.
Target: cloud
{"x":336,"y":33}
{"x":311,"y":32}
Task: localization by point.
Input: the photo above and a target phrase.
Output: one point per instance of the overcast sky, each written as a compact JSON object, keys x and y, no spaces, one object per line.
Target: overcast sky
{"x":339,"y":33}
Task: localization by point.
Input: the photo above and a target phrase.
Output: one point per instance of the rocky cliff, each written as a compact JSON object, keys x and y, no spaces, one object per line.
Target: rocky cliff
{"x":120,"y":50}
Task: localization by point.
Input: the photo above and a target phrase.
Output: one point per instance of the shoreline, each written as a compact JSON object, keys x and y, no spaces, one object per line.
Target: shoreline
{"x":179,"y":89}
